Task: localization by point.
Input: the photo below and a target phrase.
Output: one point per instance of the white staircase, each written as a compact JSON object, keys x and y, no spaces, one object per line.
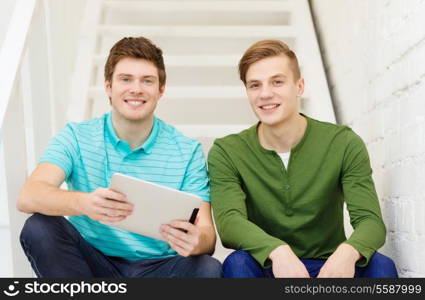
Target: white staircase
{"x":202,"y":42}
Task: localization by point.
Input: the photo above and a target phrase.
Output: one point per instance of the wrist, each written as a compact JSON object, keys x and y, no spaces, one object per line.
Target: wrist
{"x":76,"y":203}
{"x":206,"y":241}
{"x":350,"y":252}
{"x":280,"y":251}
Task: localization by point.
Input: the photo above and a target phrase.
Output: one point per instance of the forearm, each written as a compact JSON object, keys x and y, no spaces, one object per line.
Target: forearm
{"x":237,"y":232}
{"x":41,"y":197}
{"x":230,"y":212}
{"x":368,"y":236}
{"x":362,"y":201}
{"x":286,"y":264}
{"x":348,"y":252}
{"x":341,"y":264}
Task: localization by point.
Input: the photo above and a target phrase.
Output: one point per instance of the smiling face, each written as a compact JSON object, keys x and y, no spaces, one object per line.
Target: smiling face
{"x":134,"y":89}
{"x":273,"y":91}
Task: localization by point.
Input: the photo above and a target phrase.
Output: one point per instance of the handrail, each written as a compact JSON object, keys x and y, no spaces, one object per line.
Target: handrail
{"x":13,"y":49}
{"x":17,"y":57}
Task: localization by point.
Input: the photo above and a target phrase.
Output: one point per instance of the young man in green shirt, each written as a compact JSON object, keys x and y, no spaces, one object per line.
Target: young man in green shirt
{"x":278,"y":187}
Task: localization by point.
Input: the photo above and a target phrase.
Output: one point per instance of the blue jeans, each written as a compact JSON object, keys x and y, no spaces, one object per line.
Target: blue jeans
{"x":240,"y":264}
{"x":56,"y":249}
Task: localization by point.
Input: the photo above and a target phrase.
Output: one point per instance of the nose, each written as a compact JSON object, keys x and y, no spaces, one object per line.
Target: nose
{"x":266,"y":92}
{"x":136,"y":87}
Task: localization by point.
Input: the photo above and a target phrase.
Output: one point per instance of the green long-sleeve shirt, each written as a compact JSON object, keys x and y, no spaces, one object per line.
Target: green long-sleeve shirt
{"x":258,"y":205}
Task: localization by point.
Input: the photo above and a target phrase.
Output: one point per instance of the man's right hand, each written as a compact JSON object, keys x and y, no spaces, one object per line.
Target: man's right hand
{"x":285,"y":264}
{"x":104,"y":204}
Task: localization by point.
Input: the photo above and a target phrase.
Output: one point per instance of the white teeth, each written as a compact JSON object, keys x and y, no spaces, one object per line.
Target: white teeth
{"x":135,"y":102}
{"x":270,"y":106}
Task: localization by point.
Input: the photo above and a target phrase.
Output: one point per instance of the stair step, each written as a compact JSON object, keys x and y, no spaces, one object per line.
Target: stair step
{"x":196,"y":6}
{"x":187,"y":60}
{"x":206,"y":111}
{"x":211,"y":131}
{"x":174,"y":13}
{"x":199,"y":31}
{"x":197,"y":45}
{"x":202,"y":43}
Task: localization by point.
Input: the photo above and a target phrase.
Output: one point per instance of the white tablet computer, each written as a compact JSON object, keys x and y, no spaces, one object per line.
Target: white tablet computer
{"x":153,"y":205}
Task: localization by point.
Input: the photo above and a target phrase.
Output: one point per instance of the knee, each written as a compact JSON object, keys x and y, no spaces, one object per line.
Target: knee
{"x":33,"y":227}
{"x":385,"y":265}
{"x":238,"y":259}
{"x":208,"y":267}
{"x":38,"y":227}
{"x":240,"y":264}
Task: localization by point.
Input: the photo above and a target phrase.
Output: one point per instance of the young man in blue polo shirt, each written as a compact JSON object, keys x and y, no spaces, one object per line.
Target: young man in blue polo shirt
{"x":129,"y":140}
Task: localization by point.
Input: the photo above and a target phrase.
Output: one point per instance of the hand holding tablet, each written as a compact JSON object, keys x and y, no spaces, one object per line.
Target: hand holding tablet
{"x":153,"y":205}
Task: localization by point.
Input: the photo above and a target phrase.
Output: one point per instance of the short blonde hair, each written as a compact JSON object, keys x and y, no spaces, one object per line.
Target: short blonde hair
{"x":264,"y":49}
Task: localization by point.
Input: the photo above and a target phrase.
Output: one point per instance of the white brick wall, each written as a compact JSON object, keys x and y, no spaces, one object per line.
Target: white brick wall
{"x":374,"y":53}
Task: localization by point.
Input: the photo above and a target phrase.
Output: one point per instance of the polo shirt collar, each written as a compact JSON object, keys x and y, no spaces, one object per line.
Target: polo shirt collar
{"x":150,"y":141}
{"x":117,"y":142}
{"x":110,"y":130}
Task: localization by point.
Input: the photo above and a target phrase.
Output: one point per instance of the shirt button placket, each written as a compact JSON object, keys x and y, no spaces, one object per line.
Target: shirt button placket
{"x":288,"y":210}
{"x":286,"y":187}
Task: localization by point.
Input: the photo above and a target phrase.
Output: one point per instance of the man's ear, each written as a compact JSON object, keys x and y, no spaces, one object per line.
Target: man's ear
{"x":161,"y":91}
{"x":300,"y":86}
{"x":108,"y":88}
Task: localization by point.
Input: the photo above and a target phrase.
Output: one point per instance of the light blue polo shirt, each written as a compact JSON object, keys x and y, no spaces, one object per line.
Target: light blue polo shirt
{"x":90,"y":152}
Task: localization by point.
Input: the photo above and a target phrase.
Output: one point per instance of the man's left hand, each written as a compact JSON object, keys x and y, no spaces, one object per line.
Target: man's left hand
{"x":341,"y":264}
{"x":183,"y":237}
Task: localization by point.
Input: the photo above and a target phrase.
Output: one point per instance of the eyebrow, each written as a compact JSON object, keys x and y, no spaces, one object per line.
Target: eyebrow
{"x":273,"y":77}
{"x":279,"y":75}
{"x":130,"y":75}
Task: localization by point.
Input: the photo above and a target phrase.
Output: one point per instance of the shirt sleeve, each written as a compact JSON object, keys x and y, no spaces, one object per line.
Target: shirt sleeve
{"x":196,"y":177}
{"x":61,"y":151}
{"x":362,"y":201}
{"x":230,"y":212}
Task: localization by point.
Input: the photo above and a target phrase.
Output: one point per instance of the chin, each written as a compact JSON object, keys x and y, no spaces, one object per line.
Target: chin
{"x":272,"y":121}
{"x":133,"y":116}
{"x":137,"y":118}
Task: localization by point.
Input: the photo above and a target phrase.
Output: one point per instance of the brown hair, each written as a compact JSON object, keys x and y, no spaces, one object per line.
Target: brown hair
{"x":136,"y":47}
{"x":264,"y":49}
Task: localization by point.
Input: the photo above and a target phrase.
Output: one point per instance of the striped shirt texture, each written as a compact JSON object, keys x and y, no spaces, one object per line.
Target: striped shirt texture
{"x":90,"y":152}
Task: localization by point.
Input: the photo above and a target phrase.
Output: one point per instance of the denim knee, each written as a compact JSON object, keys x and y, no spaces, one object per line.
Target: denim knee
{"x":208,"y":267}
{"x":383,"y":266}
{"x":240,"y":264}
{"x":34,"y":228}
{"x":39,"y":230}
{"x":238,"y":259}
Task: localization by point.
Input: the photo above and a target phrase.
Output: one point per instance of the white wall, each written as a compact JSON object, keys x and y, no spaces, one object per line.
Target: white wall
{"x":374,"y":53}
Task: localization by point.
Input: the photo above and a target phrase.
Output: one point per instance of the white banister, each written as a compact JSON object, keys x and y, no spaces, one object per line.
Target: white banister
{"x":15,"y":154}
{"x":25,"y":114}
{"x":12,"y":131}
{"x":12,"y":50}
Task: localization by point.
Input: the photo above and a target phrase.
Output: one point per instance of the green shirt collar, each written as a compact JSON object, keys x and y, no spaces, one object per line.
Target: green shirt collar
{"x":253,"y":135}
